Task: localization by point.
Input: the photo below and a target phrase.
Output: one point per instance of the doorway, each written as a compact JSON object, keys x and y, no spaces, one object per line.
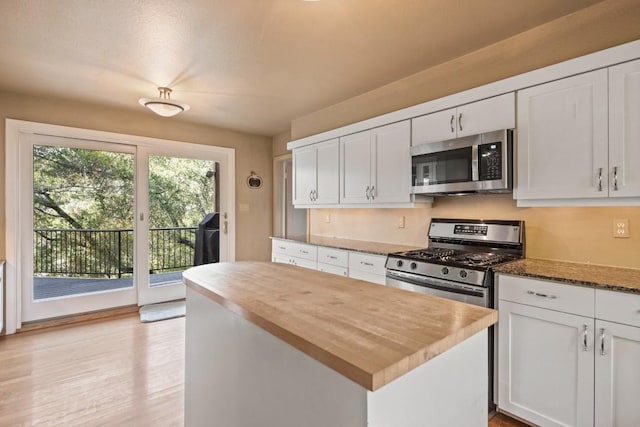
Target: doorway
{"x":98,"y":220}
{"x":287,"y":220}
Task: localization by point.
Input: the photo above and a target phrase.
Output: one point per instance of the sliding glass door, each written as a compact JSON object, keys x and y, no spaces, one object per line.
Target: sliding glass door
{"x":181,"y":191}
{"x":78,"y":231}
{"x":106,"y":224}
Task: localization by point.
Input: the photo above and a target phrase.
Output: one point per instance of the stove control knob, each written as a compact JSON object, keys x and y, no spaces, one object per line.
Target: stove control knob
{"x":399,"y":263}
{"x":445,"y":270}
{"x":413,"y":265}
{"x":463,"y":273}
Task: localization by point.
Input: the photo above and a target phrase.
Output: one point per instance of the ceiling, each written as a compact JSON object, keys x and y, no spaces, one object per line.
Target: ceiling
{"x":247,"y":65}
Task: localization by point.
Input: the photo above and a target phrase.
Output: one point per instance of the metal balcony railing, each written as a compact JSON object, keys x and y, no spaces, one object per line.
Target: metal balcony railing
{"x":109,"y":253}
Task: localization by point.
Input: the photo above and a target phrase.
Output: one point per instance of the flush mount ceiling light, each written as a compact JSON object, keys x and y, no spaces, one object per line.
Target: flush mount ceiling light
{"x":163,"y":105}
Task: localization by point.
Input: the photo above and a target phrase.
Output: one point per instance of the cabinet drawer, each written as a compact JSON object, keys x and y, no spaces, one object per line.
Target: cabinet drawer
{"x":367,"y":263}
{"x":368,"y":277}
{"x":333,"y":269}
{"x":279,"y":246}
{"x":333,"y":256}
{"x":618,"y":307}
{"x":303,"y":262}
{"x":301,"y":250}
{"x":547,"y":294}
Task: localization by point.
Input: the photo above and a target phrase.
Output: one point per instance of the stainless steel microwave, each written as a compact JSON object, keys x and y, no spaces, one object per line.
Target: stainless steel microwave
{"x":478,"y":163}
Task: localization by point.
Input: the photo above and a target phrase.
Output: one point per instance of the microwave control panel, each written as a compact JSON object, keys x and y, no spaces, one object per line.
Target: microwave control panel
{"x":490,"y":161}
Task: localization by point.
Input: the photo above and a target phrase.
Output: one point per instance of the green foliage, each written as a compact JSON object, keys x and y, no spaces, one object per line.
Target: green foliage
{"x":181,"y":191}
{"x":94,"y":190}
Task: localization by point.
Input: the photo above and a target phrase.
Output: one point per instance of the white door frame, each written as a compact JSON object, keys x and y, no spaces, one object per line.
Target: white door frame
{"x":14,"y":129}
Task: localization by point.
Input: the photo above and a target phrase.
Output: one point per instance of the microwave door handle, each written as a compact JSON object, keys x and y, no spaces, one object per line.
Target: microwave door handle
{"x":474,"y":163}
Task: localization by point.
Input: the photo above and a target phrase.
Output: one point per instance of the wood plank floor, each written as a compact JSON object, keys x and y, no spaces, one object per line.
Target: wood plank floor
{"x":116,"y":372}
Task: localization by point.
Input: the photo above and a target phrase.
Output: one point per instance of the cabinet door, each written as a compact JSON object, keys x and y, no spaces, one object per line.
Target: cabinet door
{"x":545,"y":374}
{"x":624,"y":130}
{"x":562,"y":138}
{"x":434,"y":127}
{"x":391,"y":163}
{"x":355,"y":165}
{"x":304,"y":174}
{"x":328,"y":167}
{"x":617,"y":375}
{"x":487,"y":115}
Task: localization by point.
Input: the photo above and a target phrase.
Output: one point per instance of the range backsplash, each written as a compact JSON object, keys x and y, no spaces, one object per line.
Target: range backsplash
{"x":580,"y":234}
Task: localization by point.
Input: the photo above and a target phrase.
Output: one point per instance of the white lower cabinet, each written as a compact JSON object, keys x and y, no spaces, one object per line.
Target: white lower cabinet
{"x":367,"y":267}
{"x":617,"y":354}
{"x":357,"y":265}
{"x":545,"y":373}
{"x":294,"y":253}
{"x":565,"y":356}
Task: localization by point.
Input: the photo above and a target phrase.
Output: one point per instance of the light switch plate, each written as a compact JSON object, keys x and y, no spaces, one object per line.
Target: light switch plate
{"x":621,"y":228}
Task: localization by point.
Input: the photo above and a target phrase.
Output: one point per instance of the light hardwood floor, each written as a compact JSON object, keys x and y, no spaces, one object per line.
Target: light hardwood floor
{"x":114,"y":372}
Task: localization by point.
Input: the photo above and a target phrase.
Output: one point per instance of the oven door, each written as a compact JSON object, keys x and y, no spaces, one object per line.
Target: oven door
{"x":476,"y":295}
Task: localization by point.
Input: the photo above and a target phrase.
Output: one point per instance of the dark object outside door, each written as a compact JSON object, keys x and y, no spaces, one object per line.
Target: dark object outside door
{"x":207,"y":249}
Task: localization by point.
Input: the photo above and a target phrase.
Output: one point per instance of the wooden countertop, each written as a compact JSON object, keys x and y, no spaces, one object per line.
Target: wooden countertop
{"x":369,"y":333}
{"x":353,"y":245}
{"x":603,"y":277}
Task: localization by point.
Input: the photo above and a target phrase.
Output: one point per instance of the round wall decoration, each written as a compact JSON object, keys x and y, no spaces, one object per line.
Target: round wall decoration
{"x":254,"y":181}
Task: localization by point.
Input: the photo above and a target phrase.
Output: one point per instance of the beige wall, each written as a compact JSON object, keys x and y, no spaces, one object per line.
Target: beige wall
{"x":571,"y":234}
{"x":280,"y":143}
{"x":566,"y":234}
{"x":253,"y":153}
{"x":606,"y":24}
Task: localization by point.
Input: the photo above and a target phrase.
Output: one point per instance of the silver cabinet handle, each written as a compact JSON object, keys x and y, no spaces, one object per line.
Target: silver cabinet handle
{"x":303,"y":251}
{"x":602,"y":352}
{"x":538,"y":294}
{"x":366,"y":192}
{"x":282,"y":247}
{"x":460,"y":121}
{"x":453,"y":116}
{"x":599,"y":179}
{"x":315,"y":195}
{"x":615,"y":178}
{"x":311,"y":195}
{"x":366,"y":263}
{"x":332,"y":257}
{"x":585,"y":345}
{"x":372,"y":192}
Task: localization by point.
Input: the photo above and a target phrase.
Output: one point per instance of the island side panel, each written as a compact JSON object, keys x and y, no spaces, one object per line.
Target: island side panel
{"x":448,"y":390}
{"x":237,"y":374}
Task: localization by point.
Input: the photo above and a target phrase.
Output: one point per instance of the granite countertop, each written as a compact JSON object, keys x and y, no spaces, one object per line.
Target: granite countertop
{"x":353,"y":245}
{"x":611,"y":278}
{"x":370,"y":334}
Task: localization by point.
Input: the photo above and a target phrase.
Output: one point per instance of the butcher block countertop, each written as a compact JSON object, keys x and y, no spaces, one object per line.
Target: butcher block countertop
{"x":600,"y":277}
{"x":369,"y":333}
{"x":377,"y":248}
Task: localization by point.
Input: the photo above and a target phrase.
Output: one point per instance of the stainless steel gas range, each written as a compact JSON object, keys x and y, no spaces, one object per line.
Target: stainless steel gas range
{"x":457,"y":264}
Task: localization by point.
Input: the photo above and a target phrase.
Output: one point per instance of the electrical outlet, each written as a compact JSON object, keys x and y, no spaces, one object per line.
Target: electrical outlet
{"x":621,"y":228}
{"x":401,"y":222}
{"x":327,"y":218}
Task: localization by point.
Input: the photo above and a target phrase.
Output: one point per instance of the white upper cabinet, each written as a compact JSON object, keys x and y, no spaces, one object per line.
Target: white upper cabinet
{"x":624,"y":130}
{"x":579,"y":139}
{"x":470,"y":119}
{"x":562,"y":138}
{"x":315,"y":170}
{"x":375,"y":165}
{"x":355,"y":167}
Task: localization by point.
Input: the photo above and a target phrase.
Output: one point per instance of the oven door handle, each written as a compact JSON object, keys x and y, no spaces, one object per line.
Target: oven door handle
{"x":442,"y":285}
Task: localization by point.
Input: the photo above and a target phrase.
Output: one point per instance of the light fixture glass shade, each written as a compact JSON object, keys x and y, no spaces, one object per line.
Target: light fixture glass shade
{"x":163,"y":105}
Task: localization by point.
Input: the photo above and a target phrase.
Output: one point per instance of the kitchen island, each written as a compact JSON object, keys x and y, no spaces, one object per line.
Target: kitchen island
{"x":276,"y":345}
